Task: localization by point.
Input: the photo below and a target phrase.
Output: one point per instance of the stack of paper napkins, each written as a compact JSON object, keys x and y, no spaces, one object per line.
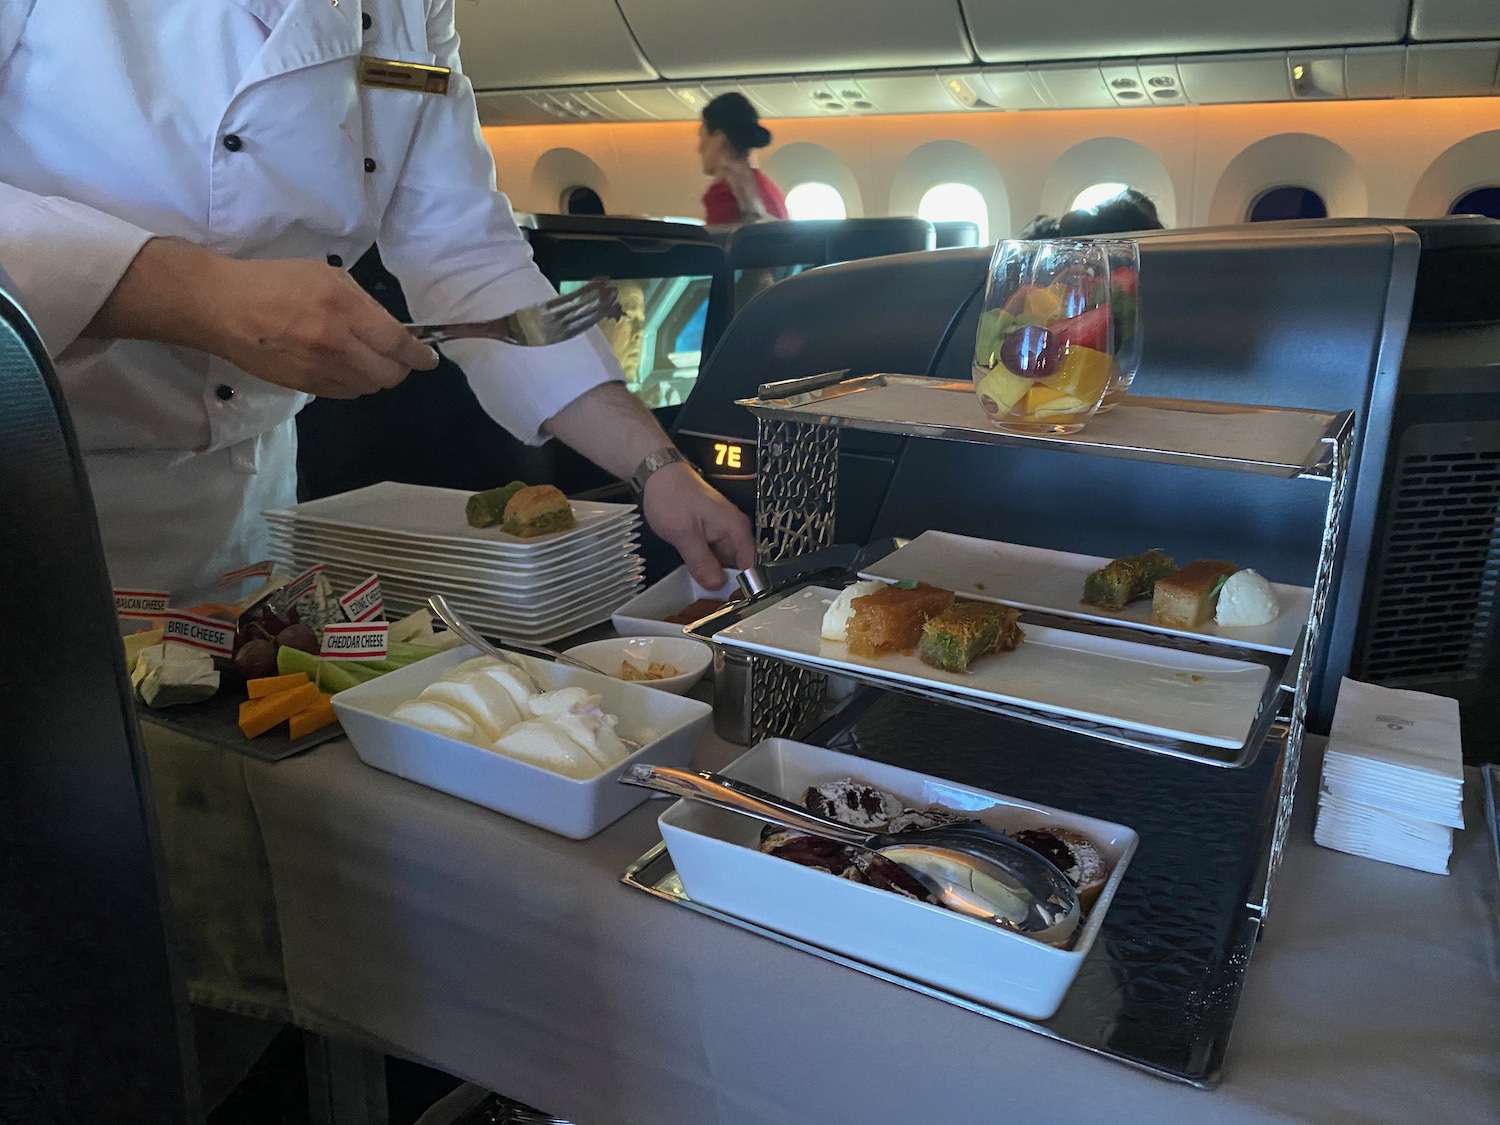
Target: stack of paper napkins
{"x":1393,"y":777}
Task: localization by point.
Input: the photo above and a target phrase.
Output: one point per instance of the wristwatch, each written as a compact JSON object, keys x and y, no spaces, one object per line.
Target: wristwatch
{"x":660,"y":459}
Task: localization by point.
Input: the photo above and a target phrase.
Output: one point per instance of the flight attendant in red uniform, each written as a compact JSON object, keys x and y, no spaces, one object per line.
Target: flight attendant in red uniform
{"x":740,"y":193}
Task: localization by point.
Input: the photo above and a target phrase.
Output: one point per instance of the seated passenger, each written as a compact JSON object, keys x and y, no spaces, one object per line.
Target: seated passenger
{"x":1131,"y":210}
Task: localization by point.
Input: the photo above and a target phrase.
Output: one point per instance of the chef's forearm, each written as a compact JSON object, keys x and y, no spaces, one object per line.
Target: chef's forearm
{"x":609,"y":426}
{"x":166,"y":295}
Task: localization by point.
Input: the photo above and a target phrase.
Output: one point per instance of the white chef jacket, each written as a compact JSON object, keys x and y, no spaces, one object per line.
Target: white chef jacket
{"x":239,"y":124}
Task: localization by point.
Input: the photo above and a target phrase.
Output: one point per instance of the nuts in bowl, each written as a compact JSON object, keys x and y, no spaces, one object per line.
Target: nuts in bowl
{"x":672,"y":664}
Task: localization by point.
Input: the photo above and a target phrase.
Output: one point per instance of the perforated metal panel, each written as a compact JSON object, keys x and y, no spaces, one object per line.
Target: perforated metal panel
{"x":1433,"y":614}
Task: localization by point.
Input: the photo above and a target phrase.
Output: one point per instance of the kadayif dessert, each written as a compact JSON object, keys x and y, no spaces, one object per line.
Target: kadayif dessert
{"x":1186,"y":598}
{"x":965,"y":631}
{"x":1118,"y":583}
{"x":1246,"y":599}
{"x":496,"y":706}
{"x":890,"y":619}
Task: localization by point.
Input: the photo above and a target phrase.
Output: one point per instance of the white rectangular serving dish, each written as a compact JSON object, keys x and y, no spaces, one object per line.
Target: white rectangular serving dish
{"x":1052,"y":581}
{"x":642,"y":615}
{"x":1163,"y":691}
{"x":668,"y":726}
{"x":419,"y":513}
{"x":716,"y":858}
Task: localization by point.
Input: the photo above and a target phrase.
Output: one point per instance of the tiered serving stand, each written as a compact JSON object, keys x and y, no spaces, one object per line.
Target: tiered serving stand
{"x":1160,"y":989}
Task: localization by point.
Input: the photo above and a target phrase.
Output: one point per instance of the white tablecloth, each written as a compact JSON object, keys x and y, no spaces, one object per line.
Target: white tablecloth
{"x":516,"y":959}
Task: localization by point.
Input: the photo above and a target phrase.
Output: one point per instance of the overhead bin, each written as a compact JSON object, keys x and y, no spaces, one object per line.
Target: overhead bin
{"x":1455,"y":19}
{"x":719,"y":37}
{"x":525,"y":43}
{"x":1003,"y":31}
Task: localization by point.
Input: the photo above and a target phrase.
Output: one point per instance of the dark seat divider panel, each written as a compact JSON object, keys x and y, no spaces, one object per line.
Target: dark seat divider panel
{"x":880,"y":314}
{"x":93,"y":1010}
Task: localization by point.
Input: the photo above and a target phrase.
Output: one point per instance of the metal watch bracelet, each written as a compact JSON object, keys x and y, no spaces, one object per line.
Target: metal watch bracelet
{"x":659,"y":459}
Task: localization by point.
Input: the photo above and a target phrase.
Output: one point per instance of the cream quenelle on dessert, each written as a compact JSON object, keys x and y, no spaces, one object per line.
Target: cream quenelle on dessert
{"x":836,"y":617}
{"x":1246,"y":599}
{"x":496,"y":706}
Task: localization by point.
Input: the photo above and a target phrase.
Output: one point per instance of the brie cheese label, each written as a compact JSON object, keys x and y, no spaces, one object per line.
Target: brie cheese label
{"x":354,"y":641}
{"x":200,"y":632}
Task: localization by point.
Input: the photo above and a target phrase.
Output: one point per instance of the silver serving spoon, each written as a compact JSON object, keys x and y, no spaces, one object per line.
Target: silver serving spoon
{"x":968,"y":867}
{"x":449,"y":617}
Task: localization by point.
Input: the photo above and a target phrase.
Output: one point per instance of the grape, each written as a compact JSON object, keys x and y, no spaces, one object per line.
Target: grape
{"x":1030,"y":351}
{"x":299,"y":636}
{"x":255,"y":659}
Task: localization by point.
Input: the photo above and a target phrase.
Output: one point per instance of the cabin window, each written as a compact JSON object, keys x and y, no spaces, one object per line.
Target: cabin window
{"x":952,"y":202}
{"x":1480,"y":201}
{"x":1096,"y":194}
{"x":1287,"y":203}
{"x":814,"y":200}
{"x":581,"y":200}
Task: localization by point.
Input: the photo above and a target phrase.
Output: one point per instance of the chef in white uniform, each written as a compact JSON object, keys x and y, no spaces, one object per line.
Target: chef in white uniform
{"x":181,"y":187}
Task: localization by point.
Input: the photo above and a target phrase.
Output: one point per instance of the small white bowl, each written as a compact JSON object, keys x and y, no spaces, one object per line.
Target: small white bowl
{"x":691,"y":658}
{"x":643,"y":614}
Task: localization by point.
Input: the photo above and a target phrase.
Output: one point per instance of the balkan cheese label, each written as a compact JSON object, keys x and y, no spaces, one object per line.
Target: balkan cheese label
{"x":263,"y":569}
{"x":364,"y":601}
{"x":146,"y":604}
{"x":301,"y":584}
{"x":354,"y":641}
{"x":200,"y":632}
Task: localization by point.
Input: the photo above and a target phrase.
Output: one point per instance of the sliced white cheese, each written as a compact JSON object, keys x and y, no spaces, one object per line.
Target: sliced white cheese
{"x":540,"y":743}
{"x":439,"y":718}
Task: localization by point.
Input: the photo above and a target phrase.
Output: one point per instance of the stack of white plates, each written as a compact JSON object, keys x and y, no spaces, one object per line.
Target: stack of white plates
{"x":417,"y":539}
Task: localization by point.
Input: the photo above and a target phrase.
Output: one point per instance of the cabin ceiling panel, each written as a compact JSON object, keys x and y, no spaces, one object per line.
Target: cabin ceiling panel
{"x":718,"y":37}
{"x":1006,"y":31}
{"x":523,"y":43}
{"x":1455,"y":19}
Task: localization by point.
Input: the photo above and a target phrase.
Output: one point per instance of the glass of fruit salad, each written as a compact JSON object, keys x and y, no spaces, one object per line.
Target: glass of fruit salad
{"x":1044,"y":352}
{"x":1125,"y":311}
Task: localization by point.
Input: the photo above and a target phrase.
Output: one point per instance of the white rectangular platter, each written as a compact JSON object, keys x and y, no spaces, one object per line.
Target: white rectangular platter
{"x":1158,"y":691}
{"x":1052,"y":582}
{"x":417,"y":512}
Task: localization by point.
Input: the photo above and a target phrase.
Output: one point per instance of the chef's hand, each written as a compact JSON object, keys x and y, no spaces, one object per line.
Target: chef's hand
{"x":299,"y":324}
{"x":706,"y":529}
{"x":310,"y":327}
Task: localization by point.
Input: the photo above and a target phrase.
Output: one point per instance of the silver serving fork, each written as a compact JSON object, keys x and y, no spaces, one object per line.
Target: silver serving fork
{"x":536,"y":326}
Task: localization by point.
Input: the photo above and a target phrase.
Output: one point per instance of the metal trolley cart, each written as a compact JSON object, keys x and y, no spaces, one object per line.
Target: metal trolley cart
{"x":1159,"y":991}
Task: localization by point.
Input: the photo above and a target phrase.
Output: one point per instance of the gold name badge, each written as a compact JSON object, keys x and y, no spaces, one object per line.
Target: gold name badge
{"x":390,"y":74}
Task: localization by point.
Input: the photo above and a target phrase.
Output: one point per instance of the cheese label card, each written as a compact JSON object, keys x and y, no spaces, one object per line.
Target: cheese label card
{"x":364,"y":601}
{"x":301,"y":584}
{"x":263,"y":569}
{"x":145,"y":604}
{"x":200,"y":632}
{"x":391,"y":74}
{"x":354,"y":641}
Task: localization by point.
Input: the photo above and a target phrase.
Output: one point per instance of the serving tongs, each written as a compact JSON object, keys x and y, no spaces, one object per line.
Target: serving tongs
{"x":841,"y":562}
